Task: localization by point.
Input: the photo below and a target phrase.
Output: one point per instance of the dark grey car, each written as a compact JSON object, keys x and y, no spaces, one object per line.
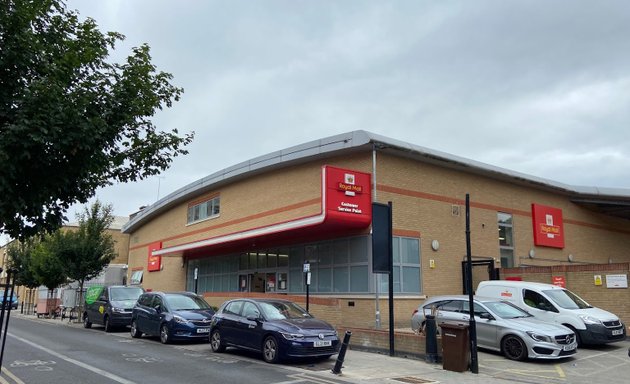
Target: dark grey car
{"x":110,"y":306}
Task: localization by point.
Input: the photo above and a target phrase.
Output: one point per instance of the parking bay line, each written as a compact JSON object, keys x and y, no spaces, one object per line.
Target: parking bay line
{"x":76,"y":362}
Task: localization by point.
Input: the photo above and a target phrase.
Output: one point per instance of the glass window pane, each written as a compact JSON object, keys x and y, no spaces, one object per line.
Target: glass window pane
{"x":283,"y":258}
{"x":243,"y":260}
{"x":410,"y":253}
{"x":340,"y":279}
{"x":262,"y":260}
{"x":216,"y":206}
{"x":340,"y":251}
{"x":325,"y":254}
{"x":358,"y":249}
{"x":411,"y":280}
{"x":296,"y":285}
{"x":296,"y":257}
{"x":324,"y":280}
{"x":396,"y":280}
{"x":272,"y":260}
{"x":253,"y":260}
{"x":504,"y":218}
{"x":505,"y":236}
{"x":507,"y":258}
{"x":396,"y":250}
{"x":359,"y":279}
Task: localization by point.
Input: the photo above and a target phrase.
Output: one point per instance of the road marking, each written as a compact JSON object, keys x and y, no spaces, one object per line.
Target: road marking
{"x":11,"y":375}
{"x":560,"y":371}
{"x":76,"y":362}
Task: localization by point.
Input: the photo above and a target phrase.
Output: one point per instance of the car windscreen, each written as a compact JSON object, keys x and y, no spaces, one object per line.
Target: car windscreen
{"x":506,"y":310}
{"x":278,"y":310}
{"x":2,"y":296}
{"x":178,"y":302}
{"x":567,"y":299}
{"x":124,"y":293}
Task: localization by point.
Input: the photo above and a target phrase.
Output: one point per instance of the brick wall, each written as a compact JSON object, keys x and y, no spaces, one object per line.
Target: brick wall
{"x":581,"y":280}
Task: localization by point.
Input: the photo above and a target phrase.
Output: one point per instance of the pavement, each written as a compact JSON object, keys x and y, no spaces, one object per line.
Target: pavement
{"x":370,"y":367}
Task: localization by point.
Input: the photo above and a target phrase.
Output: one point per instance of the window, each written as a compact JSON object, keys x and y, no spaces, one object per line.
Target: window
{"x":506,"y":239}
{"x":406,"y":266}
{"x":205,"y":210}
{"x":136,"y":277}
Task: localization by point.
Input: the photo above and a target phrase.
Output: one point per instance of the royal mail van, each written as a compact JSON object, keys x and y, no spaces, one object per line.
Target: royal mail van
{"x":556,"y":304}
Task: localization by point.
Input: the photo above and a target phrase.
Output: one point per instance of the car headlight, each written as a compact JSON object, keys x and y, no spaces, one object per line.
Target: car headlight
{"x":292,"y":336}
{"x":118,"y":310}
{"x":179,"y":319}
{"x":590,"y":319}
{"x":538,"y":337}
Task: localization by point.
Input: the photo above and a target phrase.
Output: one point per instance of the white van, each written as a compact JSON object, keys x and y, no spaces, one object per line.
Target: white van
{"x":556,"y":304}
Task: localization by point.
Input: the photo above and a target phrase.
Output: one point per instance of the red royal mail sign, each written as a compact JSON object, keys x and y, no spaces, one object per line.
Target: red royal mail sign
{"x":155,"y":262}
{"x":547,"y":223}
{"x":348,"y":195}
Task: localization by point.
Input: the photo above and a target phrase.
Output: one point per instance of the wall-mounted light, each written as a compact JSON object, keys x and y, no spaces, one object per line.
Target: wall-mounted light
{"x":570,"y":257}
{"x":435,"y":245}
{"x":532,"y":253}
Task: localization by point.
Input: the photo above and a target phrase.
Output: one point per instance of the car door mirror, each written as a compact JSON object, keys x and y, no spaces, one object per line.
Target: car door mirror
{"x":486,"y":316}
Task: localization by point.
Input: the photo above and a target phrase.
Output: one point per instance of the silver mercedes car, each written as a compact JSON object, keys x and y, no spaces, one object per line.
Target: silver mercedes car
{"x":501,"y":326}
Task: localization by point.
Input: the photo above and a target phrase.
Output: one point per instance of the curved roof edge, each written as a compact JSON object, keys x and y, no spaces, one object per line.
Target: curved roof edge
{"x":356,"y":140}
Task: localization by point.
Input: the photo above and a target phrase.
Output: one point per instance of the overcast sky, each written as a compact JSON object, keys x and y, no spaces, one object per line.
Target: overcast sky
{"x":540,"y":87}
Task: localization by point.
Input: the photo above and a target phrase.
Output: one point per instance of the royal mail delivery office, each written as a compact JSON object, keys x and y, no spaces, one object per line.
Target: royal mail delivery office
{"x":250,"y":229}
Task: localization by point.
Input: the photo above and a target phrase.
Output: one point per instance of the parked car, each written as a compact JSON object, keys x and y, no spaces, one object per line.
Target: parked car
{"x":110,"y":305}
{"x":278,"y":328}
{"x":13,"y":299}
{"x":171,"y":316}
{"x":556,"y":304}
{"x":501,"y":326}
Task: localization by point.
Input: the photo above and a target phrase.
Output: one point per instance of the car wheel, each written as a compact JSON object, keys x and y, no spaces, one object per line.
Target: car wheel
{"x":86,"y":321}
{"x":270,"y":350}
{"x":107,"y":324}
{"x":165,"y":336}
{"x":216,"y":342}
{"x":514,"y":348}
{"x":577,"y":335}
{"x":135,"y":332}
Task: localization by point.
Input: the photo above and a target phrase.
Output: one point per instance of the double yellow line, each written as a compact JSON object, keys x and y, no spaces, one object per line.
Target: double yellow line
{"x":16,"y":380}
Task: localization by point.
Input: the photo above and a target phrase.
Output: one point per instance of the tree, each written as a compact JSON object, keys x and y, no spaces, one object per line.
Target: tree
{"x":19,"y":258}
{"x":70,"y":121}
{"x":46,"y":265}
{"x":90,"y":248}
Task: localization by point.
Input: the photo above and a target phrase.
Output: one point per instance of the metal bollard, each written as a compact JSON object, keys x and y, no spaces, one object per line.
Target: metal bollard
{"x":431,"y":345}
{"x":342,"y":353}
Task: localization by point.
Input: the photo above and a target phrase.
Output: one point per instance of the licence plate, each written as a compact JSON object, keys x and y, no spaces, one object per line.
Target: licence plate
{"x":617,"y":332}
{"x":203,"y":330}
{"x":322,"y":343}
{"x":569,"y":347}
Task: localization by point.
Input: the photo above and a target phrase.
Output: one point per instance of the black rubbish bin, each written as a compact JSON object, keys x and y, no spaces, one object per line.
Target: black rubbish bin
{"x":455,"y":347}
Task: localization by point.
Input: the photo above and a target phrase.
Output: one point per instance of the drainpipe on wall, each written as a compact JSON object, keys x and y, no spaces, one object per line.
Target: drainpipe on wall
{"x":377,"y":276}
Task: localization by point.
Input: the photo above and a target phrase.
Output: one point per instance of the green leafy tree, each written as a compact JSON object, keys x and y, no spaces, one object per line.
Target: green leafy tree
{"x":90,"y":248}
{"x":19,"y":258}
{"x":46,"y":265}
{"x":70,"y":121}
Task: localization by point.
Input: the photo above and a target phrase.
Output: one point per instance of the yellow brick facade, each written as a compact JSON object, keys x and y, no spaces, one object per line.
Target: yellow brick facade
{"x":424,"y":196}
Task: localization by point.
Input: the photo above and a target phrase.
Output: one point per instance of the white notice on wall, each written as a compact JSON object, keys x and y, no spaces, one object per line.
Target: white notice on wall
{"x":616,"y":281}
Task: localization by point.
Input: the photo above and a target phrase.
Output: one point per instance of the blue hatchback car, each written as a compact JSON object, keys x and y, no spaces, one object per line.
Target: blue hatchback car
{"x":280,"y":329}
{"x":171,"y":316}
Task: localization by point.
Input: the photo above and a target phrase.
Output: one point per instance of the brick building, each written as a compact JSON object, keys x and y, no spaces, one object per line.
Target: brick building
{"x":248,"y":230}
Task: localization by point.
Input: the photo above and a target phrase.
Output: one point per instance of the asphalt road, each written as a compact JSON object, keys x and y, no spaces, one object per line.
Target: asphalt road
{"x":40,"y":352}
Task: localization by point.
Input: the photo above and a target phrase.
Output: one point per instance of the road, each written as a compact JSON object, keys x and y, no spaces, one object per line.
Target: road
{"x":40,"y":352}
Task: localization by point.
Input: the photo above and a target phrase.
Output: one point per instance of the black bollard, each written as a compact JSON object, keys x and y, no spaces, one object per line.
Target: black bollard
{"x":431,"y":347}
{"x":342,"y":353}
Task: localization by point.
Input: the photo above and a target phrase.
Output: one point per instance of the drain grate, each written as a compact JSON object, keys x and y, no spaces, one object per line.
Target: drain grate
{"x":414,"y":380}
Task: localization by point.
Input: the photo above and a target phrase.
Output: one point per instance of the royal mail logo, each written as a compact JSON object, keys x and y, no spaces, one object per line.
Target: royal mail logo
{"x":506,"y":294}
{"x":350,"y":187}
{"x":349,"y":178}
